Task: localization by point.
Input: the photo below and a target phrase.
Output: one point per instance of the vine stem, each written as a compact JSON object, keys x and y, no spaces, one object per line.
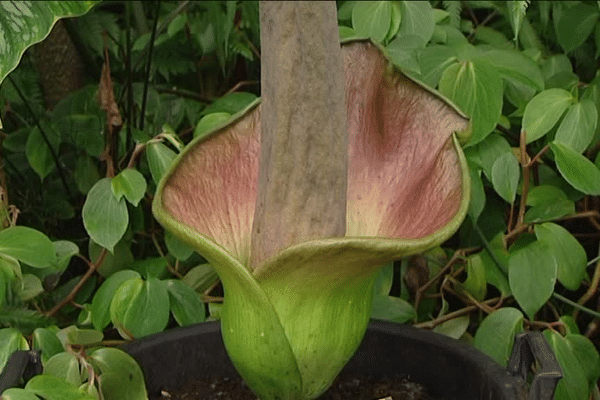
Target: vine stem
{"x":575,"y":305}
{"x":591,"y":290}
{"x":92,"y":267}
{"x":147,"y":76}
{"x":525,"y":188}
{"x":456,"y":314}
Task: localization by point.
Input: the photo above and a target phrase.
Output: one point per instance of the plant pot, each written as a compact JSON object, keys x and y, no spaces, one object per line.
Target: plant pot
{"x":445,"y":367}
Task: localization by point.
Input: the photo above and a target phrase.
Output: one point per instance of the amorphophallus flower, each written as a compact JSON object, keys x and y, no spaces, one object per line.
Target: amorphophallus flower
{"x":297,"y":202}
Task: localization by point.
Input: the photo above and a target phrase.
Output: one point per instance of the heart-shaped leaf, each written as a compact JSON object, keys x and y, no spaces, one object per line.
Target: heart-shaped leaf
{"x":185,"y":303}
{"x":140,"y":308}
{"x":544,"y":111}
{"x":580,"y":172}
{"x":496,"y":334}
{"x":475,"y":86}
{"x":105,"y":218}
{"x":27,"y":245}
{"x":578,"y":127}
{"x":568,"y":254}
{"x":372,"y":19}
{"x":505,"y":176}
{"x":129,"y":183}
{"x":532,"y":274}
{"x":575,"y":25}
{"x":573,"y":385}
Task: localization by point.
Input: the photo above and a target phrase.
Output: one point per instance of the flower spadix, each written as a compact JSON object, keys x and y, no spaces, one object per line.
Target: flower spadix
{"x":292,"y":322}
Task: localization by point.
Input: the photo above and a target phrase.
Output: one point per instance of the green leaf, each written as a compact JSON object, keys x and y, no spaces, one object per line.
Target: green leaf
{"x":453,"y":328}
{"x":210,"y":121}
{"x":490,"y":149}
{"x":532,"y":274}
{"x":140,"y":308}
{"x":25,"y":23}
{"x":85,"y":173}
{"x":402,"y":52}
{"x":52,"y":388}
{"x":494,"y":275}
{"x":201,"y":277}
{"x":104,"y":296}
{"x":64,"y":250}
{"x":39,"y":154}
{"x":578,"y":127}
{"x":154,"y":266}
{"x":516,"y":12}
{"x":573,"y":385}
{"x":121,"y":376}
{"x":159,"y":159}
{"x":505,"y":176}
{"x":575,"y":25}
{"x":129,"y":183}
{"x":83,"y":337}
{"x":231,"y":103}
{"x":26,"y":320}
{"x":549,"y":211}
{"x":475,"y":283}
{"x":84,"y":131}
{"x":475,"y":86}
{"x":121,"y":258}
{"x":29,"y":288}
{"x":393,"y":309}
{"x":177,"y":24}
{"x":568,"y":254}
{"x":185,"y":303}
{"x":515,"y":67}
{"x":346,"y":32}
{"x":544,"y":111}
{"x":47,"y":343}
{"x":177,"y":248}
{"x":384,"y":279}
{"x":580,"y":172}
{"x":544,"y":194}
{"x":477,"y":202}
{"x":28,"y":246}
{"x":372,"y":19}
{"x":12,"y":340}
{"x":417,"y":19}
{"x":105,"y":218}
{"x":585,"y":351}
{"x":19,"y":394}
{"x":496,"y":334}
{"x":395,"y":22}
{"x":433,"y":61}
{"x":64,"y":366}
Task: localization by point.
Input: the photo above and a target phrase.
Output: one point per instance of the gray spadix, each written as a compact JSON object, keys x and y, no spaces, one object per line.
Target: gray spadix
{"x":291,"y":322}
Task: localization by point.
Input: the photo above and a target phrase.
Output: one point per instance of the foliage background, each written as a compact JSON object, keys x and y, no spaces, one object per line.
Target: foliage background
{"x":94,"y":114}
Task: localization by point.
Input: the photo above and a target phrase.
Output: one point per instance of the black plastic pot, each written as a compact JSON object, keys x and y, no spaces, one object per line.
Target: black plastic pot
{"x":446,"y":367}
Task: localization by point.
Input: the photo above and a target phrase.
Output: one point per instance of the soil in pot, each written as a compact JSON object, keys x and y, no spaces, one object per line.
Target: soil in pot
{"x":347,"y":386}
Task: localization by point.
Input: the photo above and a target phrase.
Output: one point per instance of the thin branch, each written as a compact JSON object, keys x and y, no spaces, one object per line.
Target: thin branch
{"x":92,"y":267}
{"x":455,"y":314}
{"x":591,"y":290}
{"x":420,"y":291}
{"x":525,"y":188}
{"x":148,"y":67}
{"x":577,"y":306}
